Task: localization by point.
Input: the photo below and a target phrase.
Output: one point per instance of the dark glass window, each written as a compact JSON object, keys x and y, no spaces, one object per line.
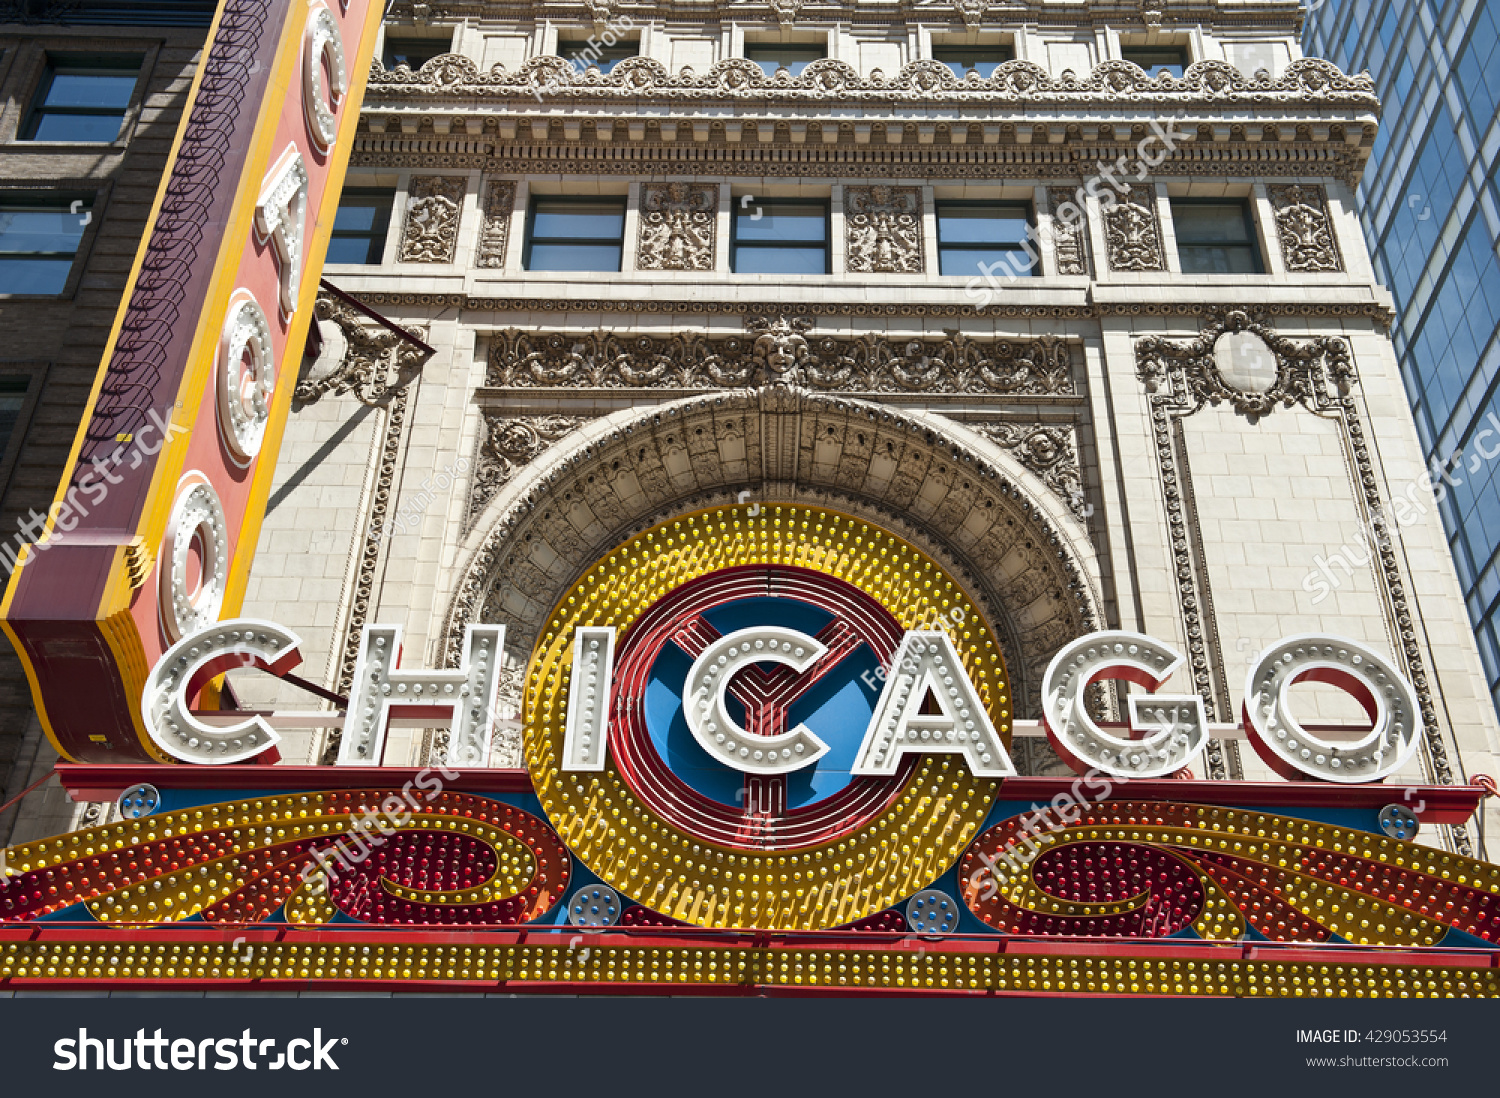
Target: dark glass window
{"x":979,"y":59}
{"x":412,"y":51}
{"x":38,"y":240}
{"x":988,"y":233}
{"x":575,"y":234}
{"x":1155,"y":58}
{"x":82,"y":99}
{"x":583,"y":55}
{"x":1215,"y":236}
{"x":13,"y":389}
{"x":780,"y":236}
{"x":792,"y":58}
{"x":361,"y":225}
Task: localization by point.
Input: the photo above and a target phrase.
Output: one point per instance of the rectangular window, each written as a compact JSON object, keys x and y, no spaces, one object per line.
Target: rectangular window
{"x":992,"y":234}
{"x":574,"y":234}
{"x":82,"y":99}
{"x":1215,"y":236}
{"x":13,"y":389}
{"x":361,"y":225}
{"x":773,"y":56}
{"x":1156,"y":58}
{"x":38,"y":240}
{"x":413,"y":51}
{"x":584,"y":55}
{"x":977,"y":59}
{"x":780,"y":236}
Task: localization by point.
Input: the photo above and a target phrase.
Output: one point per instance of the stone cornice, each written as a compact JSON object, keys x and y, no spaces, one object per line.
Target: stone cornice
{"x":1377,"y":314}
{"x":1278,"y":15}
{"x":1311,"y":84}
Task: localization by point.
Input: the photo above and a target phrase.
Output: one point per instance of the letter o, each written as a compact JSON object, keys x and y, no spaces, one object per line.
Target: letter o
{"x":247,"y":375}
{"x":189,"y":597}
{"x":1293,"y":752}
{"x":322,"y":41}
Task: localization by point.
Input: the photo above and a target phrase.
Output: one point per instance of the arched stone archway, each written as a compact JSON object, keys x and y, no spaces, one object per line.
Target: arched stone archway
{"x":1021,"y":555}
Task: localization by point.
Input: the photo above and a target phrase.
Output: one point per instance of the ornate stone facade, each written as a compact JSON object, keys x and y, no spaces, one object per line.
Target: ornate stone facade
{"x":780,"y":349}
{"x":375,"y":361}
{"x":1304,"y":230}
{"x":494,"y":231}
{"x":1049,"y":452}
{"x":1069,"y":235}
{"x":433,"y":209}
{"x":1132,"y":232}
{"x":884,"y":226}
{"x":679,"y":224}
{"x":506,"y":444}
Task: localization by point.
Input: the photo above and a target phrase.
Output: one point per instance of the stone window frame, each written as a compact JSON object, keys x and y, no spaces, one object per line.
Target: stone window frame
{"x":1247,"y":196}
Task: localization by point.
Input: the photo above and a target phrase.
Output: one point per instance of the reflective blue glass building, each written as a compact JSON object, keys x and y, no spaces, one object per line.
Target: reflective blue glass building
{"x":1430,"y":210}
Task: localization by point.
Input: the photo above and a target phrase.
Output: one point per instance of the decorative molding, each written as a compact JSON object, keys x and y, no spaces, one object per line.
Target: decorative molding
{"x":1132,"y":232}
{"x":508,"y":444}
{"x":1069,"y":238}
{"x":494,"y":230}
{"x":433,"y":208}
{"x":1377,"y":314}
{"x":779,"y":349}
{"x":1309,"y":83}
{"x":1182,"y":377}
{"x":972,"y":12}
{"x":369,"y":557}
{"x":376,"y":361}
{"x":1047,"y":450}
{"x":884,"y":229}
{"x":784,"y":157}
{"x":1305,"y":229}
{"x":679,"y":223}
{"x":786,"y":11}
{"x":600,"y":11}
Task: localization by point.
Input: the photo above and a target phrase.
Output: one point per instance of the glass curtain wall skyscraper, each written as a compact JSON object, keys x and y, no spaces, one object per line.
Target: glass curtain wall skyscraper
{"x":1430,"y":210}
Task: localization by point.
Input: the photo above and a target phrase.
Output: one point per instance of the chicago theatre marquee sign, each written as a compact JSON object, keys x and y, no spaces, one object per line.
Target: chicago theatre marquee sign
{"x":766,"y":748}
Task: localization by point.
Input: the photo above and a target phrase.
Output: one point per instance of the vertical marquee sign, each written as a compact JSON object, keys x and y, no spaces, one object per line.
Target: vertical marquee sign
{"x":154,"y":525}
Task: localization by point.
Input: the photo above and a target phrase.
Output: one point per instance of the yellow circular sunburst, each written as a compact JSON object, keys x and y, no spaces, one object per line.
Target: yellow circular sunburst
{"x":914,"y":840}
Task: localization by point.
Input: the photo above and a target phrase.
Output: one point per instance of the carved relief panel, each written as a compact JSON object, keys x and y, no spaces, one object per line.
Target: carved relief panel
{"x":430,"y":232}
{"x":884,"y":229}
{"x":678,"y":225}
{"x":1132,"y":232}
{"x":1305,"y":229}
{"x":494,"y":232}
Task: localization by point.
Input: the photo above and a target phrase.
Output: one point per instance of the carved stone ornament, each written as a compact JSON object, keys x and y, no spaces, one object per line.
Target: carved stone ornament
{"x":1202,"y":370}
{"x":786,"y":11}
{"x":600,"y":11}
{"x":884,"y":228}
{"x":678,"y":225}
{"x":1049,"y":452}
{"x":1305,"y":229}
{"x":779,"y":349}
{"x":494,"y":233}
{"x":509,"y":443}
{"x":1218,"y":84}
{"x":972,"y":12}
{"x":1132,"y":232}
{"x":433,"y":208}
{"x":375,"y":363}
{"x":1069,"y":241}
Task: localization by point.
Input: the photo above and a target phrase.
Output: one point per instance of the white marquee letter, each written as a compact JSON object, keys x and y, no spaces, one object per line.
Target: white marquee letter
{"x":588,"y":698}
{"x":193,"y":661}
{"x":321,"y":42}
{"x":1290,"y":750}
{"x":1177,"y":725}
{"x":928,"y":662}
{"x":708,"y":717}
{"x":247,"y":376}
{"x":281,"y":219}
{"x":464,"y":696}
